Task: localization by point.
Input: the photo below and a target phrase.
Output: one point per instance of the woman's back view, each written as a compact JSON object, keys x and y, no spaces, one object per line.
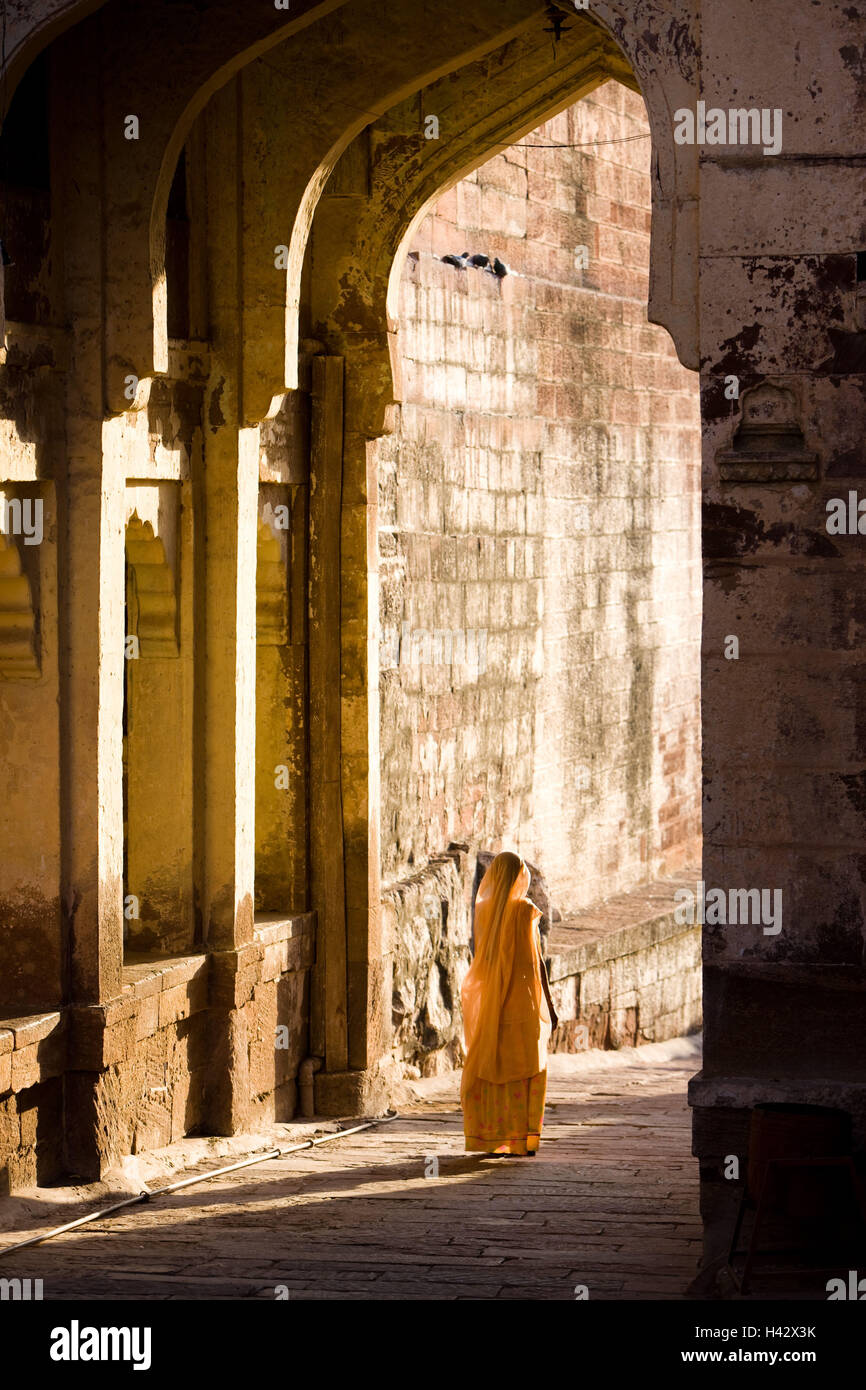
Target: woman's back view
{"x":507,"y":1017}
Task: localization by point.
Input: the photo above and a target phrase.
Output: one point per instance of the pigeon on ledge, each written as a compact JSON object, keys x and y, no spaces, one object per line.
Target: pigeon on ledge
{"x":478,"y":261}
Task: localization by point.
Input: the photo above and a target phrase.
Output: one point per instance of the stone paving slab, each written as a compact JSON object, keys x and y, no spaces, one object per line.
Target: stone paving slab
{"x":610,"y":1201}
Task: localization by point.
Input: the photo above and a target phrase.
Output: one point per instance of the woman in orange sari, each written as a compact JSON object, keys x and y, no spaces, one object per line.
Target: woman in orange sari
{"x":507,"y":1015}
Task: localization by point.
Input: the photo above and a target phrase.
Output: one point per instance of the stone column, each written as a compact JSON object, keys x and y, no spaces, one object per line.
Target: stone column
{"x":329,"y":1005}
{"x":91,"y":562}
{"x":355,"y":979}
{"x":227,"y":630}
{"x":784,"y":410}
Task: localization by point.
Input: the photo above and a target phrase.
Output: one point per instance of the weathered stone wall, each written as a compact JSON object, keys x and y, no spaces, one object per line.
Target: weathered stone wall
{"x":626,"y":972}
{"x":538,"y":511}
{"x":149,"y":1051}
{"x":428,"y":928}
{"x":32,"y":1056}
{"x":143,"y":1065}
{"x":275,"y":1018}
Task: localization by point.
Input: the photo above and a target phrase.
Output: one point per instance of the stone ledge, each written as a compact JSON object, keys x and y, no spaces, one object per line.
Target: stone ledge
{"x":32,"y":1028}
{"x":736,"y":1092}
{"x":31,"y":1050}
{"x":271,"y":927}
{"x":626,"y":972}
{"x":289,"y":942}
{"x":157,"y":991}
{"x":150,"y":974}
{"x":711,"y":1096}
{"x":234,"y":974}
{"x":629,"y":922}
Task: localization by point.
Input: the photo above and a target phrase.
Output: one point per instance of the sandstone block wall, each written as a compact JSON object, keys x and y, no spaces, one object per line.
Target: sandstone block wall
{"x":146,"y":1067}
{"x":31,"y":1100}
{"x":539,"y":545}
{"x":626,"y":972}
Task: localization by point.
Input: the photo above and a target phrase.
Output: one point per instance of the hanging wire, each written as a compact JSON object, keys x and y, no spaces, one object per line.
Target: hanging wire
{"x":586,"y":144}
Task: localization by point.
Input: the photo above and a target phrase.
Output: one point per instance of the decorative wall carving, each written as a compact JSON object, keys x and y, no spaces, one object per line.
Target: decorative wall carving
{"x":272,"y":599}
{"x":768,"y":446}
{"x":150,"y":591}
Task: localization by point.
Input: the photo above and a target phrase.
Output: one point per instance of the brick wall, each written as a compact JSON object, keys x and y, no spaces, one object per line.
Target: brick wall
{"x":539,"y":513}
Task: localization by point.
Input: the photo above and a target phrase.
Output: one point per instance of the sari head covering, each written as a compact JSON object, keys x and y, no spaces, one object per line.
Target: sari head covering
{"x":505,"y":1015}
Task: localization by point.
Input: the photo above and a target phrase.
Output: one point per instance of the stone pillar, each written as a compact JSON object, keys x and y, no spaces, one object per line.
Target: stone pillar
{"x":91,"y":562}
{"x":280,"y":783}
{"x":92,"y":565}
{"x":784,"y":410}
{"x":229,"y":489}
{"x":32,"y":955}
{"x":344,"y":640}
{"x":329,"y":1004}
{"x":369,"y":991}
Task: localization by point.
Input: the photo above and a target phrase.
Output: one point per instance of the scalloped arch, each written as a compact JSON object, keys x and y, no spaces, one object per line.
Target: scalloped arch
{"x":150,"y":593}
{"x":18,"y":660}
{"x":272,"y":598}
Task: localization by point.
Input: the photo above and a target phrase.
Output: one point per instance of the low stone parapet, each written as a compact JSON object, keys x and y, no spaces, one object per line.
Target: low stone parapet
{"x":626,"y":971}
{"x":31,"y":1069}
{"x":85,"y":1085}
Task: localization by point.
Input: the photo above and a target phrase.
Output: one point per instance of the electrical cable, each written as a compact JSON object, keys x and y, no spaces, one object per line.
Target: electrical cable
{"x":585,"y":145}
{"x":188,"y":1182}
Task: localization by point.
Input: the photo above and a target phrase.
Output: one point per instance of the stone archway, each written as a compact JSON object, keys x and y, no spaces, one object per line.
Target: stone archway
{"x":381,"y":190}
{"x":762,"y":286}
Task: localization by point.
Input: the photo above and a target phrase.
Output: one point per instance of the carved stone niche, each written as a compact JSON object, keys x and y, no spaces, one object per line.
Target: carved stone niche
{"x":768,"y":446}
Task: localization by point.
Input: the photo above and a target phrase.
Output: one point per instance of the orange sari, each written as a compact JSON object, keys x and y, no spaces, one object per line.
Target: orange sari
{"x":506,"y":1019}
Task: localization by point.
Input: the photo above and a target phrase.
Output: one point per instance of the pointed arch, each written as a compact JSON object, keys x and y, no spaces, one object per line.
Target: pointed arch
{"x":490,"y":104}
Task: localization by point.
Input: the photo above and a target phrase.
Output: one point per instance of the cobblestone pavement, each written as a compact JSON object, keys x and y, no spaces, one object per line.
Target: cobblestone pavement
{"x":610,"y":1202}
